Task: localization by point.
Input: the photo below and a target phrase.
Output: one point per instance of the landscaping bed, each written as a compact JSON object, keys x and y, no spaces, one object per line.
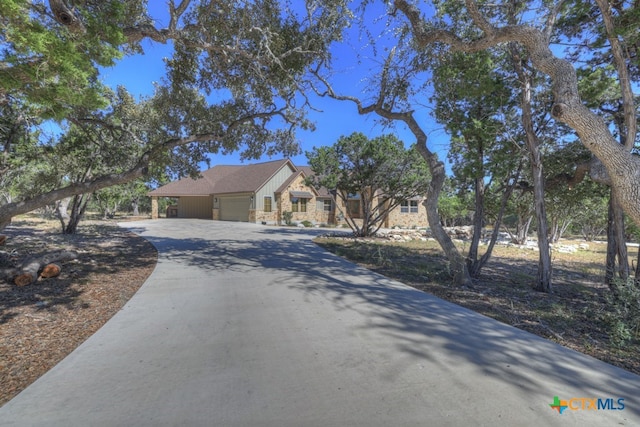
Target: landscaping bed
{"x":43,"y":322}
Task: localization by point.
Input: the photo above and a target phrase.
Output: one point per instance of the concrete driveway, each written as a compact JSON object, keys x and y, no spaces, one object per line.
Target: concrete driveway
{"x":246,"y":325}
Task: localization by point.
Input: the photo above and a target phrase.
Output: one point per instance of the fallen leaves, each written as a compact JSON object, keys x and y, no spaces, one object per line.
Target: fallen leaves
{"x":43,"y":322}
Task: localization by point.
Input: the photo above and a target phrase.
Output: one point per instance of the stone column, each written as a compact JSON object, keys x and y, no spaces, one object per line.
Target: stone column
{"x":154,"y":207}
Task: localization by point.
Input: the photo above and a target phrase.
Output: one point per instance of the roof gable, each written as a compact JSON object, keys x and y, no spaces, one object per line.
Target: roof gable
{"x":250,"y":178}
{"x":322,"y":191}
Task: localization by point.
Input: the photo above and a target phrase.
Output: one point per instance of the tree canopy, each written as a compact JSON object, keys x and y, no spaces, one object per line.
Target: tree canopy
{"x":379,"y":172}
{"x":235,"y":82}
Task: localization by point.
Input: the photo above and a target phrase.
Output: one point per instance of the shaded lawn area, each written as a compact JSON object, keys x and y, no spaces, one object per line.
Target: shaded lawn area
{"x":573,"y":316}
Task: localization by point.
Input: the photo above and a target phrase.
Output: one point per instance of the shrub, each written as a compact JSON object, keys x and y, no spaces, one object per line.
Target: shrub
{"x":623,"y":317}
{"x":287,"y":216}
{"x":307,"y":223}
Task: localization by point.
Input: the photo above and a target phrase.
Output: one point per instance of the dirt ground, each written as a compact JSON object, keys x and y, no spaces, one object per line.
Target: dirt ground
{"x":41,"y":323}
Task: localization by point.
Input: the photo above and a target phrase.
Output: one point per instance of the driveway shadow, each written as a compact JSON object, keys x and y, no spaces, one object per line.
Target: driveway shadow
{"x":417,"y":322}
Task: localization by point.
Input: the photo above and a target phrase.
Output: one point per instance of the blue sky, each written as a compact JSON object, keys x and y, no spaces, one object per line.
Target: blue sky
{"x":138,"y":73}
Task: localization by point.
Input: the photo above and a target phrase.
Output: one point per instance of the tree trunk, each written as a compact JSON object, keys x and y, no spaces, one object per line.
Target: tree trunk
{"x":616,"y":245}
{"x":457,"y":264}
{"x":79,"y":205}
{"x":135,"y":206}
{"x":62,"y":212}
{"x":555,"y":231}
{"x":543,"y":276}
{"x":28,"y":272}
{"x":498,"y":222}
{"x":522,"y":229}
{"x":478,"y":218}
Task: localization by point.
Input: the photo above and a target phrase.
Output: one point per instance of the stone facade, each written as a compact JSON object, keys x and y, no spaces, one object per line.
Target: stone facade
{"x":411,"y":215}
{"x":265,"y":217}
{"x":304,"y":209}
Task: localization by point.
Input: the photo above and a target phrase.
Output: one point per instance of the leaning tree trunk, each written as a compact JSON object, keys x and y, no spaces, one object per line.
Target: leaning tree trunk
{"x":457,"y":264}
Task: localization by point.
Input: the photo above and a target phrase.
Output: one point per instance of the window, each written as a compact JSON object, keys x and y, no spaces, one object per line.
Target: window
{"x":327,"y":206}
{"x":353,"y":208}
{"x":267,"y":203}
{"x":298,"y":204}
{"x":409,"y":206}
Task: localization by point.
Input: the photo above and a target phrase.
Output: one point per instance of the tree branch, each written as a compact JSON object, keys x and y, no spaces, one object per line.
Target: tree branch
{"x":140,"y":169}
{"x":66,"y":16}
{"x":623,"y":168}
{"x":628,"y":99}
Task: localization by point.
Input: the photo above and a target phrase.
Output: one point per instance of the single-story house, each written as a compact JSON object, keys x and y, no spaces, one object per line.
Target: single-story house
{"x":261,"y":192}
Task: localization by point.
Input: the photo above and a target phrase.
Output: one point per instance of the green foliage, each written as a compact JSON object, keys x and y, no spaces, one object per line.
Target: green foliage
{"x":591,"y":216}
{"x":623,"y":316}
{"x":287,"y":216}
{"x":380,"y":172}
{"x":45,"y":64}
{"x":127,"y":197}
{"x":453,"y":206}
{"x":307,"y":223}
{"x":473,"y":102}
{"x":233,"y":83}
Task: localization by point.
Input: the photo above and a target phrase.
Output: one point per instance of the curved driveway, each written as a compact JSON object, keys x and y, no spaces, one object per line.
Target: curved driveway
{"x":246,"y":325}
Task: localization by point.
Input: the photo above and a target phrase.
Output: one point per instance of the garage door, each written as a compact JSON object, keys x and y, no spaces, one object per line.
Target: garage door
{"x":195,"y":207}
{"x":235,"y":208}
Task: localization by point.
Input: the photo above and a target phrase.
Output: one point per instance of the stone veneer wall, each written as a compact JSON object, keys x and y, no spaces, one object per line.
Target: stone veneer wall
{"x":285,"y":202}
{"x":409,"y":220}
{"x":267,"y":217}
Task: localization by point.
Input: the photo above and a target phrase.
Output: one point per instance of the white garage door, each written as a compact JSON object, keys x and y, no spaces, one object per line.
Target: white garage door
{"x":235,"y":208}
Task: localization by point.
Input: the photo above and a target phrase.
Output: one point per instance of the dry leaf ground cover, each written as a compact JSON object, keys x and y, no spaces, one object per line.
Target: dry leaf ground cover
{"x":41,"y":323}
{"x":573,"y":316}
